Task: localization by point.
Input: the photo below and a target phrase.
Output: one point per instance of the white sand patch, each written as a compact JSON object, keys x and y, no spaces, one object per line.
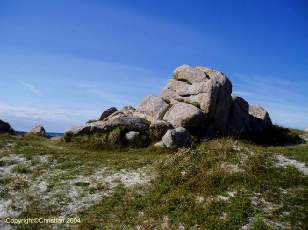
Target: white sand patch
{"x":226,"y":198}
{"x":128,"y":178}
{"x":266,"y":207}
{"x":231,"y":168}
{"x":43,"y":158}
{"x":69,"y":193}
{"x":276,"y":224}
{"x":6,"y":210}
{"x":81,"y":198}
{"x":10,"y":162}
{"x":282,"y":161}
{"x":13,"y":158}
{"x":200,"y":199}
{"x":38,"y":187}
{"x":6,"y":170}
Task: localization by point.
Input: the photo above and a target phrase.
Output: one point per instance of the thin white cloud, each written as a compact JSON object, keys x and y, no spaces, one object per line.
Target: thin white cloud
{"x":61,"y":118}
{"x":241,"y":93}
{"x":31,"y":87}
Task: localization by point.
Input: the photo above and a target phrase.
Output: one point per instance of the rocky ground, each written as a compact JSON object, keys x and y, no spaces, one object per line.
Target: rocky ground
{"x":219,"y":184}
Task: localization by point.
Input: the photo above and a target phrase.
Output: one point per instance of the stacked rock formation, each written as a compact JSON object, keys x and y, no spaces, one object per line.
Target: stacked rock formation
{"x":197,"y":101}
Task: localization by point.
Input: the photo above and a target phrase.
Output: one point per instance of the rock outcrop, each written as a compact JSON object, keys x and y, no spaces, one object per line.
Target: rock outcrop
{"x":196,"y":101}
{"x":38,"y":130}
{"x":5,"y":127}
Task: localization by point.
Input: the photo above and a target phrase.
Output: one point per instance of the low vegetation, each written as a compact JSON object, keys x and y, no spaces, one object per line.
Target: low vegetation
{"x":219,"y":184}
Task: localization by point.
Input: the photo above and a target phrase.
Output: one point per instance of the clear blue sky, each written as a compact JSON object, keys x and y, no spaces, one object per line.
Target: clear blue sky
{"x":63,"y":62}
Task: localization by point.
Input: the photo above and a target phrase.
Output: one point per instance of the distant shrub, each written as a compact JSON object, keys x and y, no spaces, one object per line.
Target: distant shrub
{"x":274,"y":135}
{"x":114,"y":137}
{"x":68,"y":137}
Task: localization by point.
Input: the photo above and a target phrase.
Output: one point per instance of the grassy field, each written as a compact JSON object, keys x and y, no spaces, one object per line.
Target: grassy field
{"x":219,"y":184}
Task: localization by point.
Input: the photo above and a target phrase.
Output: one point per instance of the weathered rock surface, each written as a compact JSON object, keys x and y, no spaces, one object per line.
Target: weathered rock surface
{"x":152,"y":108}
{"x":185,"y":115}
{"x":259,"y":118}
{"x":107,"y":113}
{"x":38,"y":130}
{"x":239,"y":119}
{"x":158,"y":129}
{"x":120,"y":120}
{"x":128,"y":110}
{"x":175,"y":138}
{"x":5,"y":127}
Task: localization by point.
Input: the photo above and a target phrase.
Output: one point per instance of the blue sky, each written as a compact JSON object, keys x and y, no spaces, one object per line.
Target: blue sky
{"x":63,"y":62}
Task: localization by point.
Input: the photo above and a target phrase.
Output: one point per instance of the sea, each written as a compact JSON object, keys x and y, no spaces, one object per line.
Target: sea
{"x":55,"y":134}
{"x":49,"y":134}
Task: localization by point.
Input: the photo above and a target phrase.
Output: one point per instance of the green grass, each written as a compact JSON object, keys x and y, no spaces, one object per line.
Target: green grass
{"x":173,"y":196}
{"x":211,"y":186}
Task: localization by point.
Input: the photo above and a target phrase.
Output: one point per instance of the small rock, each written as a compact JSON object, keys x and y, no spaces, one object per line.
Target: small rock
{"x":159,"y":144}
{"x":132,"y":137}
{"x":175,"y":138}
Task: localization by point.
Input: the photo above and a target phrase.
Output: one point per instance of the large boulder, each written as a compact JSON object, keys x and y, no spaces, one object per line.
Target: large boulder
{"x":152,"y":108}
{"x":239,"y":121}
{"x":5,"y":127}
{"x":158,"y":129}
{"x":185,"y":115}
{"x":259,"y":118}
{"x":176,"y":138}
{"x":207,"y":89}
{"x":38,"y":130}
{"x":107,"y":113}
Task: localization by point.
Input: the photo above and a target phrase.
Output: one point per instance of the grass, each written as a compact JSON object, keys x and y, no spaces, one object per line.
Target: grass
{"x":219,"y":184}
